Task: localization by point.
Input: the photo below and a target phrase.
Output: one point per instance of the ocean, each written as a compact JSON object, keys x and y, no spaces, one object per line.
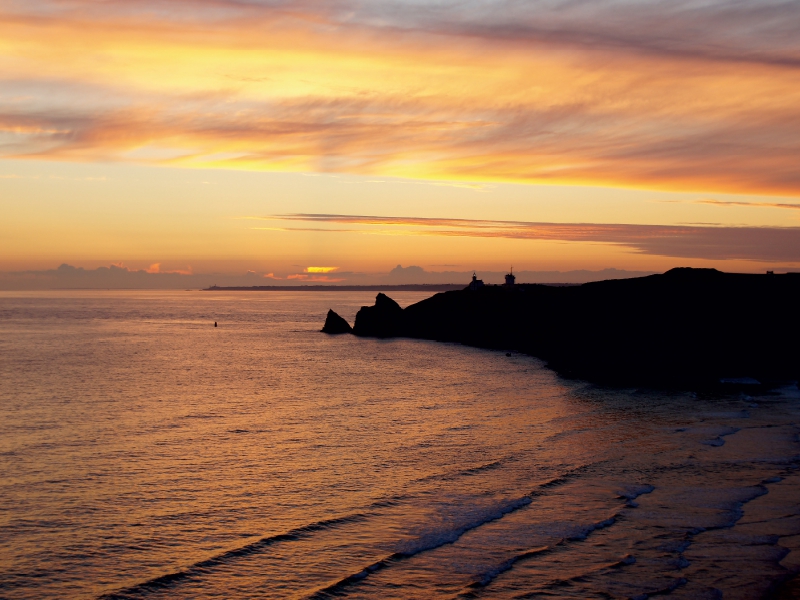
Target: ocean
{"x":147,"y":454}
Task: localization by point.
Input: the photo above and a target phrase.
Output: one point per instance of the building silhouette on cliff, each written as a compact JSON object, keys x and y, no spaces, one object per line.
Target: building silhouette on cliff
{"x":510,"y":279}
{"x":475,"y":283}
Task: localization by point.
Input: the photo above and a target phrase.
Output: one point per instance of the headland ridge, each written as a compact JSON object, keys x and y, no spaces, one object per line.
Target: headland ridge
{"x":684,"y":327}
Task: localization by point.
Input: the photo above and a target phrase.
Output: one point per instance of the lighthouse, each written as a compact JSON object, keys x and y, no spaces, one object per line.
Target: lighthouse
{"x":476,"y":283}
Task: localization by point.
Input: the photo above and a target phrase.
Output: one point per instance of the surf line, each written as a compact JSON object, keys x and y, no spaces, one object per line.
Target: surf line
{"x":422,"y":545}
{"x":335,"y":589}
{"x":199,"y":568}
{"x":737,"y":512}
{"x":473,"y":589}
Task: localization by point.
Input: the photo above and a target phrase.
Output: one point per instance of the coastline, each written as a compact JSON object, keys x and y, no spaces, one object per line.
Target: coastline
{"x":687,"y":327}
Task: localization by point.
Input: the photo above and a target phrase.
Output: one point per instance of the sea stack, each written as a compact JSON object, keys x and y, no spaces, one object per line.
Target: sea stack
{"x":336,"y":324}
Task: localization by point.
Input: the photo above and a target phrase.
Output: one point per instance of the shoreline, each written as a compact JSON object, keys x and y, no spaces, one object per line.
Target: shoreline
{"x":687,"y":327}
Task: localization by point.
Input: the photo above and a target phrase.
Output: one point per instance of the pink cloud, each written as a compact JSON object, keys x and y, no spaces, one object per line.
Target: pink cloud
{"x":314,"y":278}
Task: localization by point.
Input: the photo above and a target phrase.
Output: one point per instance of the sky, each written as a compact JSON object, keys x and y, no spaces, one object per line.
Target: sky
{"x":309,"y":141}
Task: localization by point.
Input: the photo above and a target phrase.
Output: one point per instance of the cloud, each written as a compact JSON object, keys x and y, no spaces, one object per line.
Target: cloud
{"x":118,"y":276}
{"x":770,"y":244}
{"x":314,"y":278}
{"x":786,"y":205}
{"x":655,"y":94}
{"x":156,"y":268}
{"x":121,"y":277}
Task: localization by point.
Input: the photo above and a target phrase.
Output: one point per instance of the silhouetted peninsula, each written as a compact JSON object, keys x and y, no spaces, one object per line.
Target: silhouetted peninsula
{"x":685,"y":327}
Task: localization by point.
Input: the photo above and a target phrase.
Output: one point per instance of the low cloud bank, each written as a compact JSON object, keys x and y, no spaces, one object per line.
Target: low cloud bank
{"x":118,"y":277}
{"x":121,"y":277}
{"x":413,"y":274}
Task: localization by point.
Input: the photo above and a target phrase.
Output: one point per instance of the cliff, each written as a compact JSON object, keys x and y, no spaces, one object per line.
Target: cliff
{"x":685,"y":327}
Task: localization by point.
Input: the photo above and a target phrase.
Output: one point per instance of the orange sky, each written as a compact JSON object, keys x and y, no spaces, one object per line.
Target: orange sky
{"x":149,"y":132}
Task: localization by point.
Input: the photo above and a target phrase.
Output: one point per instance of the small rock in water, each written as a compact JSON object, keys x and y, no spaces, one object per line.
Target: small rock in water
{"x":336,"y":324}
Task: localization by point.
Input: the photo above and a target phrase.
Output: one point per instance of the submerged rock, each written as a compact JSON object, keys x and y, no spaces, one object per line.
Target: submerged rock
{"x":336,"y":324}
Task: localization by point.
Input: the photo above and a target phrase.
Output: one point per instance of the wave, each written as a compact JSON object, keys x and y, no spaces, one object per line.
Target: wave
{"x":199,"y":568}
{"x":465,"y":472}
{"x":423,"y":543}
{"x":569,"y":475}
{"x":492,"y":574}
{"x":428,"y":541}
{"x":631,"y":493}
{"x":438,"y":538}
{"x":664,"y":591}
{"x":718,"y":441}
{"x":473,"y":589}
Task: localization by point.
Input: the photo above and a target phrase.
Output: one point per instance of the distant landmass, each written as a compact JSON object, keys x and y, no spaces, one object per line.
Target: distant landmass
{"x":684,"y":327}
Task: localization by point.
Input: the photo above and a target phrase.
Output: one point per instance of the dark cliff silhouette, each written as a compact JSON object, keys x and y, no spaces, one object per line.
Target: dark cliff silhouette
{"x":685,"y":327}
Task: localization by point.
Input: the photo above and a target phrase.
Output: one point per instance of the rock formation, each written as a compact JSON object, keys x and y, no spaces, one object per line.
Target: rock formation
{"x":336,"y":324}
{"x":685,"y":327}
{"x":385,"y":319}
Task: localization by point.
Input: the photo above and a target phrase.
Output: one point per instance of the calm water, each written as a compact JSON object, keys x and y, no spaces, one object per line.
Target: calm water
{"x":146,"y":454}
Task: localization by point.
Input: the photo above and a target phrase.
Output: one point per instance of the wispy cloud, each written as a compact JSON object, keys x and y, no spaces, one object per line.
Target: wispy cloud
{"x":156,"y":268}
{"x":655,"y":93}
{"x":771,"y":244}
{"x":787,"y":205}
{"x":314,"y":278}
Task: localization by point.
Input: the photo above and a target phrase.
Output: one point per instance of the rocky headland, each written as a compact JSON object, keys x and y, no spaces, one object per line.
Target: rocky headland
{"x":684,"y":327}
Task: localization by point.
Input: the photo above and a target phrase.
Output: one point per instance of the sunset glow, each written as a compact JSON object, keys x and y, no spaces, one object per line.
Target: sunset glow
{"x":504,"y":111}
{"x":399,"y":299}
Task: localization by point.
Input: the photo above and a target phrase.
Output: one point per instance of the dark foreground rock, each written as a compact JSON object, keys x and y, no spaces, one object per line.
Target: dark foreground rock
{"x":336,"y":324}
{"x":685,"y":327}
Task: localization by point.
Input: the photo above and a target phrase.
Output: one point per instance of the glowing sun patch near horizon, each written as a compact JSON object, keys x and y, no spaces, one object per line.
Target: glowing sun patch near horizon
{"x":320,"y":269}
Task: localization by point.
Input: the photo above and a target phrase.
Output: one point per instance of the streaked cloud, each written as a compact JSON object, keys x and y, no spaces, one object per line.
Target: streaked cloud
{"x":771,"y":244}
{"x":786,"y":205}
{"x":653,"y":94}
{"x":156,"y":268}
{"x":314,"y":278}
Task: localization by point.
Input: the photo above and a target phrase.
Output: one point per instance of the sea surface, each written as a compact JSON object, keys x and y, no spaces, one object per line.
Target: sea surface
{"x":145,"y":453}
